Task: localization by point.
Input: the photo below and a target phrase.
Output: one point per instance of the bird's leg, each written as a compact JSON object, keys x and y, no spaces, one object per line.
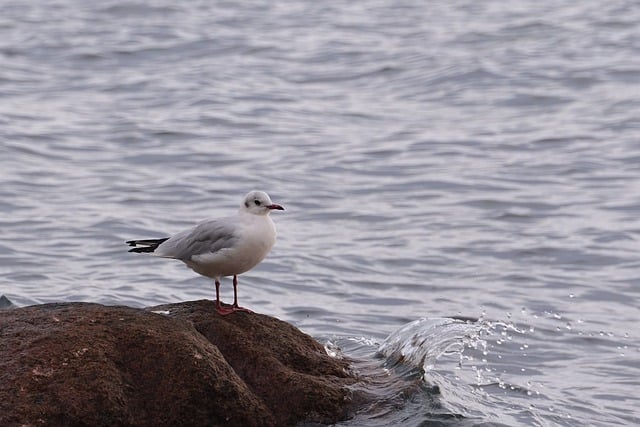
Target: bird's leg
{"x":235,"y":306}
{"x":218,"y":306}
{"x":223,"y":311}
{"x":235,"y":290}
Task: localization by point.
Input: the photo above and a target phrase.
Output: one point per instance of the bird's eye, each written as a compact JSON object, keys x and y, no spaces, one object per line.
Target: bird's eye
{"x":257,"y":202}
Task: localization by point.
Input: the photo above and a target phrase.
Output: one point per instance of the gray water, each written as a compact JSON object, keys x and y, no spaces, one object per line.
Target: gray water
{"x":435,"y":159}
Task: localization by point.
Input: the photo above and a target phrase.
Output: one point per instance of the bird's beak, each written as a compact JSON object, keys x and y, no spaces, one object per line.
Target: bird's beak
{"x":274,"y":206}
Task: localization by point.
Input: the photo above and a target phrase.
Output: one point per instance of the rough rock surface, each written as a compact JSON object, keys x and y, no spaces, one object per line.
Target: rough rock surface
{"x":86,"y":364}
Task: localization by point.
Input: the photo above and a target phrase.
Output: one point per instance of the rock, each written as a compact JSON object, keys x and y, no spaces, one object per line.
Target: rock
{"x":180,"y":364}
{"x":5,"y":303}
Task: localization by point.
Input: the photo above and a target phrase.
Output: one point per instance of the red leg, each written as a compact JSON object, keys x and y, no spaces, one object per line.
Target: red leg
{"x":223,"y":311}
{"x":235,"y":290}
{"x":236,"y":307}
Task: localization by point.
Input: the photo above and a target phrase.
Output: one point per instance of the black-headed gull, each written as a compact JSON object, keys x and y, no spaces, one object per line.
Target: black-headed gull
{"x":222,"y":247}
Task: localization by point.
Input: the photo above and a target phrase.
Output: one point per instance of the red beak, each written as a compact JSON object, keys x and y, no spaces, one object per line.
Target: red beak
{"x":274,"y":206}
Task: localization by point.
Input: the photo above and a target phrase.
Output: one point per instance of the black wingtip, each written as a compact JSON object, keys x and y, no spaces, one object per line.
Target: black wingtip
{"x":146,"y":245}
{"x":144,"y":249}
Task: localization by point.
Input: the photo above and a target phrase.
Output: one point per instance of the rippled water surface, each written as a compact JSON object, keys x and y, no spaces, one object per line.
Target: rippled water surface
{"x":436,"y":159}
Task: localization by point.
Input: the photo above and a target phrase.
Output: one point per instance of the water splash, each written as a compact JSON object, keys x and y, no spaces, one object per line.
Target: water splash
{"x":420,"y":343}
{"x":449,"y":356}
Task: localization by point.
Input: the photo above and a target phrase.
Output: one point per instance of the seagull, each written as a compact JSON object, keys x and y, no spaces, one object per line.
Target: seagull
{"x":222,"y":247}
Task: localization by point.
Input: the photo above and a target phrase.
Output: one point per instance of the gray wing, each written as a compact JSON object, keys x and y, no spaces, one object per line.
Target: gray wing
{"x":206,"y":237}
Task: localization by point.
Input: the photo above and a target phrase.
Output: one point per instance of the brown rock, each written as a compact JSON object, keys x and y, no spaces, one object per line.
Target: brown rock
{"x":86,"y":364}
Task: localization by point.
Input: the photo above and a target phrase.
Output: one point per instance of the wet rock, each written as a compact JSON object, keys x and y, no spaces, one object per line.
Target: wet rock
{"x":5,"y":303}
{"x":178,"y":364}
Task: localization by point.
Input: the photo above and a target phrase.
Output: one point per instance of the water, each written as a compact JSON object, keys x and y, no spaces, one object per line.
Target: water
{"x":475,"y":159}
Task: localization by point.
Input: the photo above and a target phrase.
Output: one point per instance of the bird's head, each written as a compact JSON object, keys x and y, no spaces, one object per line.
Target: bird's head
{"x":259,"y":203}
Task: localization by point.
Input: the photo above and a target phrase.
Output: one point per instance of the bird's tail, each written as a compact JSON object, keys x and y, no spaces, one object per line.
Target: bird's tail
{"x":146,"y":245}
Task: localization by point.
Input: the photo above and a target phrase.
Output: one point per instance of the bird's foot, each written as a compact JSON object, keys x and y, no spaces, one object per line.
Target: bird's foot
{"x":238,"y":308}
{"x":224,"y":310}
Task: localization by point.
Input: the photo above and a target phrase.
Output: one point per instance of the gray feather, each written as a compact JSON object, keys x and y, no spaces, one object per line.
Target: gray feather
{"x":206,"y":237}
